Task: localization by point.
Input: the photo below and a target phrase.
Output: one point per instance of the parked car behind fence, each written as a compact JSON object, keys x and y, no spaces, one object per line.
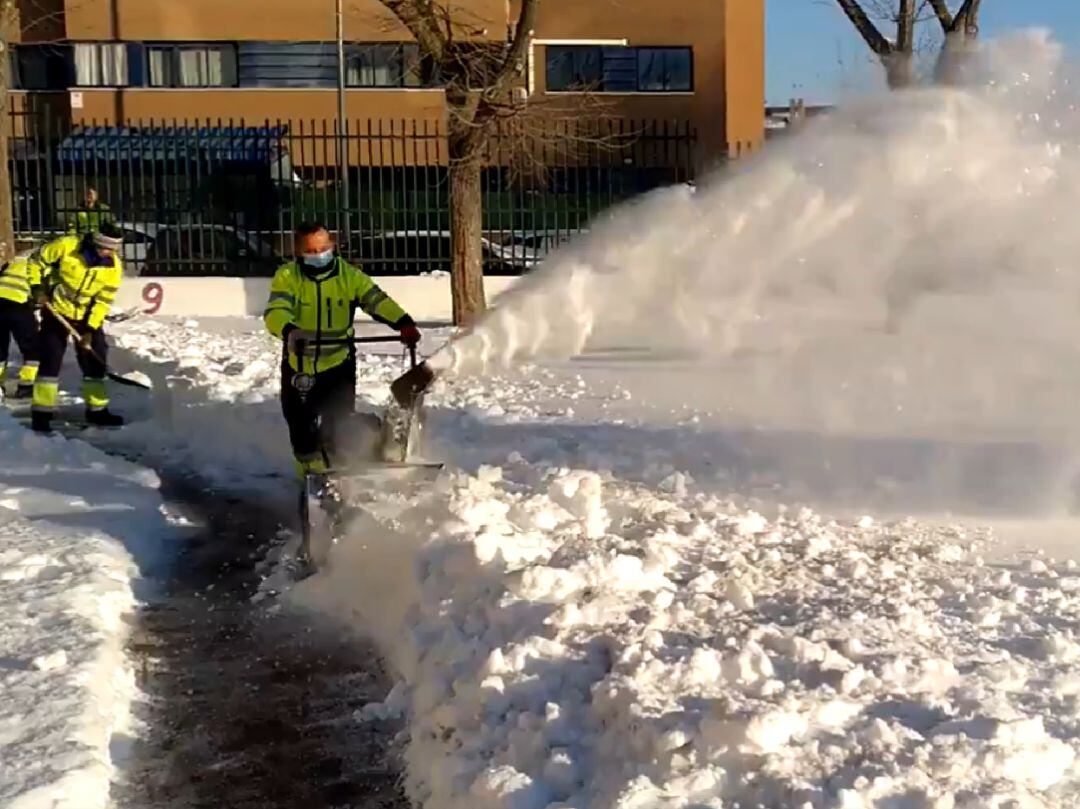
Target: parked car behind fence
{"x":410,"y":252}
{"x":193,"y":250}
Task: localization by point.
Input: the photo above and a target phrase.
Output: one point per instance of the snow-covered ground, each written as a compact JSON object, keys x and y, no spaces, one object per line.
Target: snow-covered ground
{"x":619,"y":592}
{"x":602,"y":603}
{"x":77,"y":530}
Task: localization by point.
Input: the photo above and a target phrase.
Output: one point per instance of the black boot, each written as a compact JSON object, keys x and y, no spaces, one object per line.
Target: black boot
{"x":41,"y":421}
{"x":103,"y":418}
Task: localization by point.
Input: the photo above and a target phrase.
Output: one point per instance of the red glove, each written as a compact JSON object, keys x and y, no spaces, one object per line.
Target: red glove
{"x":410,"y":335}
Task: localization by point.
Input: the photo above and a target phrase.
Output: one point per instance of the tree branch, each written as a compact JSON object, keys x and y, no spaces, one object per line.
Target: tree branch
{"x":420,"y":18}
{"x":966,"y":21}
{"x":515,"y":54}
{"x":905,"y":27}
{"x":863,"y":24}
{"x":944,"y":16}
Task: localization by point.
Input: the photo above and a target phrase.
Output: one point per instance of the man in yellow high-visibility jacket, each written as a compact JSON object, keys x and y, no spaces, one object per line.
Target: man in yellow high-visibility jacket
{"x":81,"y":275}
{"x":20,"y":291}
{"x":91,"y":216}
{"x":315,"y":298}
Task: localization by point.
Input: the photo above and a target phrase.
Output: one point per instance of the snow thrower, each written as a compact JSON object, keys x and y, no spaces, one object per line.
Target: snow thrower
{"x":397,"y":436}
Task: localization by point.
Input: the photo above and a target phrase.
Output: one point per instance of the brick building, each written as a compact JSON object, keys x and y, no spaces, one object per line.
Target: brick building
{"x":115,"y":61}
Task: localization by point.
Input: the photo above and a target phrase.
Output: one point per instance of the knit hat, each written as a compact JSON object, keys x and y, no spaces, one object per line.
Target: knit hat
{"x":107,"y":242}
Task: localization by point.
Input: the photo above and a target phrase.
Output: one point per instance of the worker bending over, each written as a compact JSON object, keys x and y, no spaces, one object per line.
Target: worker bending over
{"x":81,"y":276}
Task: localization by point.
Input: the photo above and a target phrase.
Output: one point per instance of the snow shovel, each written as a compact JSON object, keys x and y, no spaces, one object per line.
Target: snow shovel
{"x":120,"y":380}
{"x":401,"y":425}
{"x":408,"y":389}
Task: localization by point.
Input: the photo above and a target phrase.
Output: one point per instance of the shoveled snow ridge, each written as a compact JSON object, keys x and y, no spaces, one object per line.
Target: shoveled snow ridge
{"x":579,"y":642}
{"x":74,"y":523}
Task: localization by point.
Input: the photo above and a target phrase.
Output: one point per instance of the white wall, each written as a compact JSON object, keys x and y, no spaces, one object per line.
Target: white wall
{"x":426,"y":298}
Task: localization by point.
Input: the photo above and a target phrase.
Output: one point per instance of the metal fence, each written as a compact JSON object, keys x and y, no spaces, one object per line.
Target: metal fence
{"x":222,"y":197}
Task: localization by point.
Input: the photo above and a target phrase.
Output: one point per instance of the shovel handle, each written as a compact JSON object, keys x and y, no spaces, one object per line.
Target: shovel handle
{"x":302,"y":344}
{"x":70,"y":329}
{"x":47,"y":306}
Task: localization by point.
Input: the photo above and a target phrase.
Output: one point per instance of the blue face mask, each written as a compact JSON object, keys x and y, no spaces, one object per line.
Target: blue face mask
{"x":318,"y":261}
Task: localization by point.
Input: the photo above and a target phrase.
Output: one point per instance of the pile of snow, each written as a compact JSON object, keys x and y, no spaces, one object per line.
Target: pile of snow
{"x":565,"y":640}
{"x":73,"y":525}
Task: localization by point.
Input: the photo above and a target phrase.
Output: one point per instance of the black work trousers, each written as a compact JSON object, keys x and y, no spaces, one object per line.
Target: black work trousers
{"x":17,"y":320}
{"x":316,"y":418}
{"x":54,"y":341}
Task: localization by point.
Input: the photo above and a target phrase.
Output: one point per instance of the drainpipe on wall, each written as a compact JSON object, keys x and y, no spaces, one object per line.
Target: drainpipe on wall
{"x":342,"y":142}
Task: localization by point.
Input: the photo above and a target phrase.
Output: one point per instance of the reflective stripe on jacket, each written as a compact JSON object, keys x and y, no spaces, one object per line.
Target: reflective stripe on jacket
{"x":18,"y":279}
{"x":326,"y":305}
{"x":78,"y":290}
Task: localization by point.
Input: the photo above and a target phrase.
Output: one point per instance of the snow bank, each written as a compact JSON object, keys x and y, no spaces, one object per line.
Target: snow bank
{"x":569,"y":641}
{"x":73,"y":525}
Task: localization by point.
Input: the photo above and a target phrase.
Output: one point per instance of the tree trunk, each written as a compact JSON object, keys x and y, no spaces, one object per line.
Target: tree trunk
{"x":899,"y":70}
{"x":953,"y":58}
{"x":961,"y":35}
{"x":467,"y":268}
{"x":7,"y":220}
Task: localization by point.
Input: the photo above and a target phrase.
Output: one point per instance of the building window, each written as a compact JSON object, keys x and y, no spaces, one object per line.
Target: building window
{"x":192,"y":65}
{"x":41,"y":67}
{"x":577,"y":68}
{"x":573,"y":68}
{"x":665,"y":70}
{"x":287,"y":64}
{"x":101,"y":64}
{"x":384,"y":65}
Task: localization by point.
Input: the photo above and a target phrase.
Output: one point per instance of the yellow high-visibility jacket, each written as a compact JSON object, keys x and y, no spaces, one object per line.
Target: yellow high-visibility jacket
{"x":18,"y":279}
{"x":87,"y":220}
{"x":78,"y":290}
{"x":326,"y":305}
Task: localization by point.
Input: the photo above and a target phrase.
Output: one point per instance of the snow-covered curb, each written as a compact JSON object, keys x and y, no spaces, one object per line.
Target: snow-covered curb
{"x":74,"y":524}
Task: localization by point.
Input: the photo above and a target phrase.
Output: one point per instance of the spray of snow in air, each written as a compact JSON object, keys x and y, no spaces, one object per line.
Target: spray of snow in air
{"x":927,"y":231}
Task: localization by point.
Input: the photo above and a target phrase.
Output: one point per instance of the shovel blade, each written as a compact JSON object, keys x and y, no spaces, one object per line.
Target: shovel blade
{"x":410,"y":386}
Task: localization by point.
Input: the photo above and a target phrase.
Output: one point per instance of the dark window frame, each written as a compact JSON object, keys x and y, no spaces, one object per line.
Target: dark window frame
{"x":175,"y":49}
{"x":62,"y":68}
{"x":608,"y":71}
{"x":409,"y":59}
{"x":668,"y":51}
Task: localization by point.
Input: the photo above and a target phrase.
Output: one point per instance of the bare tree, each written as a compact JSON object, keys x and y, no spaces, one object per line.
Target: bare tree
{"x":961,"y":30}
{"x":897,"y":55}
{"x":479,"y":76}
{"x":8,"y":20}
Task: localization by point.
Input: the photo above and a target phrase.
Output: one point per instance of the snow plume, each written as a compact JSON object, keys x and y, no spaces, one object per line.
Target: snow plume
{"x":935,"y":218}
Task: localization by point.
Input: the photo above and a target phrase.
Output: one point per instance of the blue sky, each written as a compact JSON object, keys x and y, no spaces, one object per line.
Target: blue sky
{"x":814,"y":53}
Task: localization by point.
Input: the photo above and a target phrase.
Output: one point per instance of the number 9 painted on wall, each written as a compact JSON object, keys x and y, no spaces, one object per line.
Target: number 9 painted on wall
{"x":153,"y":294}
